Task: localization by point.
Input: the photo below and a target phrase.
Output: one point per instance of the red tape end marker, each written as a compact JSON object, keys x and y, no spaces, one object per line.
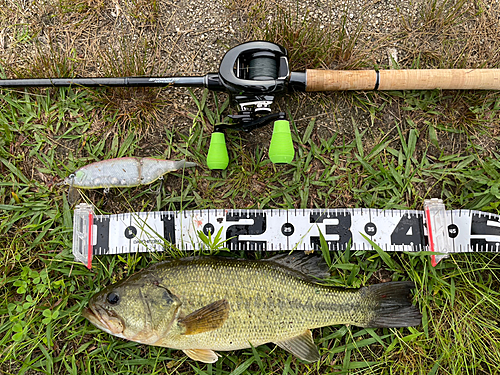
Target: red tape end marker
{"x":431,"y":236}
{"x":89,"y":250}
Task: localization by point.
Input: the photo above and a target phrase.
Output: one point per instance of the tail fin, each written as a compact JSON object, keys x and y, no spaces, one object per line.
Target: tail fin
{"x":393,"y":306}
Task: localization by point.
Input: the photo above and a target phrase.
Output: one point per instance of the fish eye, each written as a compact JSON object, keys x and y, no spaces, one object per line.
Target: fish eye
{"x":113,"y":298}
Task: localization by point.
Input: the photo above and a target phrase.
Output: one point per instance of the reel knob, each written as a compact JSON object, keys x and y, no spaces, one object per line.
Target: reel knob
{"x":217,"y":157}
{"x":281,"y":149}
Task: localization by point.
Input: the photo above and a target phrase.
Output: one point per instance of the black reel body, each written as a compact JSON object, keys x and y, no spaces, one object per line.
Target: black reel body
{"x":254,"y":74}
{"x":259,"y":68}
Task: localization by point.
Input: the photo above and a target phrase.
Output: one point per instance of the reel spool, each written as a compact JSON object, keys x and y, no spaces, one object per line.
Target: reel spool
{"x":262,"y":67}
{"x":254,"y":74}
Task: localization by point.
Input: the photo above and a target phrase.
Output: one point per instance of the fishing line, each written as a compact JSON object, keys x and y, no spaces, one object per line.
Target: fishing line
{"x":262,"y":68}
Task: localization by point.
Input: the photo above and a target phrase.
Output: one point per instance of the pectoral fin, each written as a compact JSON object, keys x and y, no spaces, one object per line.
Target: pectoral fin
{"x":301,"y":346}
{"x":202,"y":355}
{"x":206,"y":319}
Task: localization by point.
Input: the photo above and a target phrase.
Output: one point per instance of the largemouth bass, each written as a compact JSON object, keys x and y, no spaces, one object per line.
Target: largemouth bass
{"x":203,"y":304}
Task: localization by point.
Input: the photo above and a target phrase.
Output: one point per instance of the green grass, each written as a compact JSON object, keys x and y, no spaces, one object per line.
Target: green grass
{"x":45,"y":290}
{"x":392,"y":150}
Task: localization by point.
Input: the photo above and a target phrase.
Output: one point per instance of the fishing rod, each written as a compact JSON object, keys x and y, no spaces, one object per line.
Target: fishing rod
{"x":256,"y":73}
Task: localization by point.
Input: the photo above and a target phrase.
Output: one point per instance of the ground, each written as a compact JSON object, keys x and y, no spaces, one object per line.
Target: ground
{"x":353,"y":149}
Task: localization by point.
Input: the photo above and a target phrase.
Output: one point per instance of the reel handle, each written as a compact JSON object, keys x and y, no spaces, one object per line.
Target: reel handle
{"x":217,"y":157}
{"x":281,"y":149}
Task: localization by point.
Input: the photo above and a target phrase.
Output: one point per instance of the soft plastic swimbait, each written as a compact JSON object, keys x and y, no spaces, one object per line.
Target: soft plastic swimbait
{"x":123,"y":172}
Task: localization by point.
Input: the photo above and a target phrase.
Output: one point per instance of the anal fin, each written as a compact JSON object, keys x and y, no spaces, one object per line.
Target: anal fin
{"x":301,"y":346}
{"x":202,"y":355}
{"x":206,"y":319}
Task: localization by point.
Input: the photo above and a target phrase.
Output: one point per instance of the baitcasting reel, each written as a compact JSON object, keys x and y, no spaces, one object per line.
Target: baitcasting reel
{"x":254,"y":74}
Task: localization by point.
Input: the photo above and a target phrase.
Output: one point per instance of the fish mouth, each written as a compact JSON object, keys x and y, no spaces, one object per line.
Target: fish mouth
{"x":93,"y":317}
{"x":103,"y":320}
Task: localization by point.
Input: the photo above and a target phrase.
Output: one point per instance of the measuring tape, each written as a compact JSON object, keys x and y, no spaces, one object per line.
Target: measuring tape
{"x":433,"y":229}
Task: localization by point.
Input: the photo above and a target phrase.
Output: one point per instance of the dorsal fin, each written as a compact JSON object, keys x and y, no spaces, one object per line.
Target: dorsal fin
{"x":308,"y":265}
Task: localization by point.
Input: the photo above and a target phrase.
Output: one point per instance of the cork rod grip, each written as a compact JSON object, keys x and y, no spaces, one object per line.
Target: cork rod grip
{"x":416,"y":79}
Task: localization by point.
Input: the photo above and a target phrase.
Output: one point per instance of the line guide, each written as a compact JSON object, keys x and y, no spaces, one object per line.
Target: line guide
{"x":434,"y":229}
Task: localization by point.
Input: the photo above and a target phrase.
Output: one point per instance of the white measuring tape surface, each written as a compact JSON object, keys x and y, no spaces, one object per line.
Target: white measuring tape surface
{"x":433,"y":229}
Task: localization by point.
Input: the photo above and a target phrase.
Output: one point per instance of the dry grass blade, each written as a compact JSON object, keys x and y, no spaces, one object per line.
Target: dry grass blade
{"x":139,"y":106}
{"x":451,"y":34}
{"x":311,"y":44}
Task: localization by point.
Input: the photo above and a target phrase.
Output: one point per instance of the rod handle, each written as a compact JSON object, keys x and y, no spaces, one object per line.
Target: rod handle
{"x":217,"y":157}
{"x":413,"y":79}
{"x":281,"y":149}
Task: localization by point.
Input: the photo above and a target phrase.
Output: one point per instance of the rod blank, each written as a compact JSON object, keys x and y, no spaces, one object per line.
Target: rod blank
{"x":107,"y":82}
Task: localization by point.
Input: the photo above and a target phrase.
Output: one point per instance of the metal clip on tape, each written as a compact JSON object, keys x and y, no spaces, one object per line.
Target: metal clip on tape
{"x":437,"y":228}
{"x":83,"y":220}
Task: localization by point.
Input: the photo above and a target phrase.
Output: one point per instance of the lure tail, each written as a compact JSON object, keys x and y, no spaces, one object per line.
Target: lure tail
{"x":184,"y":164}
{"x":393,"y":305}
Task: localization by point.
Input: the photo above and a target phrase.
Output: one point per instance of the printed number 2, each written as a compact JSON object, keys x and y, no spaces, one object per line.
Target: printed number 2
{"x":233,"y":231}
